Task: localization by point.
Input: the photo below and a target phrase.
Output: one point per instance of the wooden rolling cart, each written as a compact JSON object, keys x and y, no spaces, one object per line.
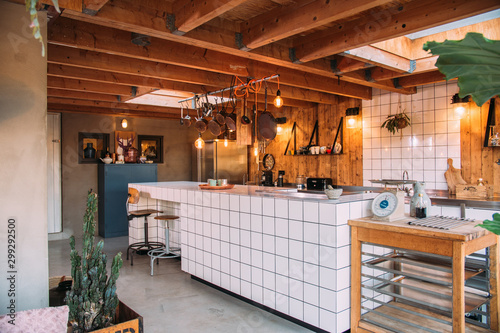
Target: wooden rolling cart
{"x":407,"y":278}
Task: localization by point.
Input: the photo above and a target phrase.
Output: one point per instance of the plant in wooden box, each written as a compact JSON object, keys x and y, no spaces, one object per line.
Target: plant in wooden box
{"x":92,"y":300}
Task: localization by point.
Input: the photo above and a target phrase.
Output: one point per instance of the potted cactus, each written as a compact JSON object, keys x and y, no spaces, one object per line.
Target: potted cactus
{"x":92,"y":299}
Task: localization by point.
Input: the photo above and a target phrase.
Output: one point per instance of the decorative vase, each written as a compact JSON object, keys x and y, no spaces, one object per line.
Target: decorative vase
{"x":131,"y":155}
{"x":89,"y":152}
{"x":419,"y":187}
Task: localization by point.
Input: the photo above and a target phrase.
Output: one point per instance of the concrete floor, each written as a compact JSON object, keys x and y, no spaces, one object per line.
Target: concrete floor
{"x":170,"y":301}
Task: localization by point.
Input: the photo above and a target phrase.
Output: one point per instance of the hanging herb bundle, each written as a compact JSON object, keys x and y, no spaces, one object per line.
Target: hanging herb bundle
{"x":92,"y":300}
{"x":31,"y":7}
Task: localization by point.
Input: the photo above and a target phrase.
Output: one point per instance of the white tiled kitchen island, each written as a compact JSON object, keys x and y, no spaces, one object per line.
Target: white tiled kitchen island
{"x":285,"y":250}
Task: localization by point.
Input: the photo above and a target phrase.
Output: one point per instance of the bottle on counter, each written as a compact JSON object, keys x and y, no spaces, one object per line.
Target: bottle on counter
{"x":420,"y":208}
{"x":280,"y":178}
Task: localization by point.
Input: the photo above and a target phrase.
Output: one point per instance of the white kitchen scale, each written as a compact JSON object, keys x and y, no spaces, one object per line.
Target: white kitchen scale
{"x":390,"y":204}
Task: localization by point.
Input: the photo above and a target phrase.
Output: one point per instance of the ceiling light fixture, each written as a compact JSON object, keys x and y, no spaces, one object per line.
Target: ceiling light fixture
{"x":460,"y":105}
{"x":199,"y":143}
{"x":124,"y":123}
{"x":225,"y":140}
{"x":351,"y":116}
{"x":278,"y":101}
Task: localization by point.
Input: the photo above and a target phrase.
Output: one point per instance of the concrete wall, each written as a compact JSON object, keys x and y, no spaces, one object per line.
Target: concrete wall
{"x":23,"y":131}
{"x":79,"y":178}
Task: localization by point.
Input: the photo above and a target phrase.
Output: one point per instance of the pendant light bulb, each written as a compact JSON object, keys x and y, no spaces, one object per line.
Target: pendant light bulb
{"x":199,"y":143}
{"x":460,"y":106}
{"x":278,"y":101}
{"x":225,"y":141}
{"x":124,"y":123}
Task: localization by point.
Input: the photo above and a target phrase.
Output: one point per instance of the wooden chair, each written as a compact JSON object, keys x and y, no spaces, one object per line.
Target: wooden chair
{"x":144,"y":246}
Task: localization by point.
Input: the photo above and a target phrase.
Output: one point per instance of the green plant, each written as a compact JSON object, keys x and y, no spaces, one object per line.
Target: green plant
{"x":396,"y":122}
{"x":92,"y":300}
{"x":35,"y":24}
{"x":474,"y":60}
{"x":493,"y":226}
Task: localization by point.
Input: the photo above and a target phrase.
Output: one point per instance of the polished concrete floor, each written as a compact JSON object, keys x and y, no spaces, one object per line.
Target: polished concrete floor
{"x":170,"y":301}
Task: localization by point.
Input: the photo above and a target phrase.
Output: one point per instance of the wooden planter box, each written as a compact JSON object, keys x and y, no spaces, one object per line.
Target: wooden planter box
{"x":126,"y":319}
{"x":474,"y":191}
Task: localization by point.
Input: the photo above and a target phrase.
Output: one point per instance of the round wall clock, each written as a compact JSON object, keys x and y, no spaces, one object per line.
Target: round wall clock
{"x":268,"y":162}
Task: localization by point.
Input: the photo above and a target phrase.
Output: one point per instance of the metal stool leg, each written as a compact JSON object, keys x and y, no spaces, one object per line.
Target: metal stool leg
{"x":166,"y":252}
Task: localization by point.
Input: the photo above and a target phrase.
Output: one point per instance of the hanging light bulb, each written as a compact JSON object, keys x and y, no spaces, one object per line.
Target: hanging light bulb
{"x":124,"y":123}
{"x":279,"y":130}
{"x":351,"y":116}
{"x":256,"y":151}
{"x":225,"y":140}
{"x":460,"y":106}
{"x":278,"y":101}
{"x":199,"y":143}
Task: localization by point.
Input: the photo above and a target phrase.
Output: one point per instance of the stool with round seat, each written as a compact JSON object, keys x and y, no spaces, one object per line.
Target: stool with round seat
{"x":167,"y":251}
{"x":146,"y":245}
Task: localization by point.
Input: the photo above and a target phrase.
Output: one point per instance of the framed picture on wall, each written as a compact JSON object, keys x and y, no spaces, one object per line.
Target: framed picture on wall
{"x":151,"y":146}
{"x":92,"y":147}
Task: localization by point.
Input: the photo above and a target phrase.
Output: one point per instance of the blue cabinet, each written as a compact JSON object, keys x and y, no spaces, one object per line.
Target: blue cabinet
{"x":113,"y":190}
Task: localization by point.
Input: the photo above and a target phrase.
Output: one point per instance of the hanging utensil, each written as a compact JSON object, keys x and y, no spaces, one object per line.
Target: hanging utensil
{"x":231,"y":121}
{"x":213,"y":125}
{"x":201,"y":123}
{"x":267,"y":123}
{"x":182,"y":116}
{"x":187,"y":119}
{"x":244,"y":119}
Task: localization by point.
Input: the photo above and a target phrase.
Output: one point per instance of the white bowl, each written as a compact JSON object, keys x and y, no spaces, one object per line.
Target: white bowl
{"x":333,"y":194}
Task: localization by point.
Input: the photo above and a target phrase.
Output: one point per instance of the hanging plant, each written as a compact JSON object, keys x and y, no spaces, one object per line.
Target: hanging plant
{"x":395,"y":122}
{"x":35,"y":24}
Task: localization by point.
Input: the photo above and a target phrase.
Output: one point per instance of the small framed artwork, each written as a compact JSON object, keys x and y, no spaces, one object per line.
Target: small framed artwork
{"x":151,"y":146}
{"x":92,"y":147}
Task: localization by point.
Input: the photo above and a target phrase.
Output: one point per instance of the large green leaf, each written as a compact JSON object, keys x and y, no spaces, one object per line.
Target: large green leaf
{"x":475,"y":60}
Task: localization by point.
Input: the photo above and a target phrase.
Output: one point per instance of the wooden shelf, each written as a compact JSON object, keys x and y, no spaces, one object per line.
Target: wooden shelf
{"x":378,"y":320}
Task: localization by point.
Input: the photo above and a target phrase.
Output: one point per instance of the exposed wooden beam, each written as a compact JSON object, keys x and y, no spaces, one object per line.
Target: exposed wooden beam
{"x":151,"y":71}
{"x":344,"y":65}
{"x":92,"y":7}
{"x":380,"y":74}
{"x":389,"y":23}
{"x":66,"y":4}
{"x":89,"y":86}
{"x":113,"y":106}
{"x":425,"y":64}
{"x":362,"y":75}
{"x":54,"y":92}
{"x":109,"y":111}
{"x":190,"y":14}
{"x":381,"y":58}
{"x":297,"y":20}
{"x":97,"y":38}
{"x":421,"y":79}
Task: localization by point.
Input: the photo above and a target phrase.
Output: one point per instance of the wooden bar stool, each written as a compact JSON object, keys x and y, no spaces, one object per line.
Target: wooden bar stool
{"x":167,"y":251}
{"x":146,"y":245}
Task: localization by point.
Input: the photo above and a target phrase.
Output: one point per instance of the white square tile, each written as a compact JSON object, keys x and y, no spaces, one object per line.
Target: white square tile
{"x":256,"y":240}
{"x":246,"y":289}
{"x":281,"y":208}
{"x":343,"y":300}
{"x":244,"y":203}
{"x":311,"y":315}
{"x":235,"y":267}
{"x":269,"y":262}
{"x":198,"y":198}
{"x":311,"y":211}
{"x":296,"y":309}
{"x":246,"y":272}
{"x":327,"y":213}
{"x":235,"y":285}
{"x":234,"y":203}
{"x":257,"y":276}
{"x":268,"y":225}
{"x":311,"y":294}
{"x":207,"y":199}
{"x":257,"y":293}
{"x":234,"y":219}
{"x":225,"y":266}
{"x":257,"y":258}
{"x":295,"y":210}
{"x":295,"y":230}
{"x":234,"y":236}
{"x":342,"y":213}
{"x":245,"y":238}
{"x":328,"y":278}
{"x":224,"y":201}
{"x":245,"y":221}
{"x":224,"y":233}
{"x":281,"y":246}
{"x":224,"y":217}
{"x":215,"y":200}
{"x":269,"y":296}
{"x":281,"y":228}
{"x":184,"y":197}
{"x":281,"y":269}
{"x":256,"y":223}
{"x":343,"y":235}
{"x":343,"y":256}
{"x":327,"y":257}
{"x":311,"y":232}
{"x":343,"y":320}
{"x":256,"y":205}
{"x":327,"y":235}
{"x":215,"y":215}
{"x":311,"y":253}
{"x":327,"y":320}
{"x":268,"y":206}
{"x":268,"y":243}
{"x":296,"y":250}
{"x":328,"y":300}
{"x":343,"y":278}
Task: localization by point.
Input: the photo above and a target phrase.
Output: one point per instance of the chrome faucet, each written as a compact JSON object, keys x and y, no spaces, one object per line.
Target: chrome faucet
{"x":405,"y":188}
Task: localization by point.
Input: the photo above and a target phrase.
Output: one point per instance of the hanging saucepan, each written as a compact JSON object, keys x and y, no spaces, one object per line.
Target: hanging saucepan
{"x":187,"y":119}
{"x":213,"y":125}
{"x":221,"y":116}
{"x":231,"y":121}
{"x":244,"y":119}
{"x":267,"y":123}
{"x":201,"y":125}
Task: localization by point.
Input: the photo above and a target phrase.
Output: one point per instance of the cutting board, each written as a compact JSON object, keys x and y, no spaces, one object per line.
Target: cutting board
{"x":453,"y":177}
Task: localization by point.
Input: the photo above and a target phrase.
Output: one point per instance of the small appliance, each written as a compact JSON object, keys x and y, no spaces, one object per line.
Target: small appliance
{"x":267,"y":178}
{"x":318,"y":184}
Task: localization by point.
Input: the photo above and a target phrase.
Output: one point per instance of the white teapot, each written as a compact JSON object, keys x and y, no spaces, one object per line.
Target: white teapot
{"x":107,"y":160}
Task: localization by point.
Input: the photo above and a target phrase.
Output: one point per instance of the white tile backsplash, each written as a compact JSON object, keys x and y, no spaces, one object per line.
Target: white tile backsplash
{"x":433,"y":137}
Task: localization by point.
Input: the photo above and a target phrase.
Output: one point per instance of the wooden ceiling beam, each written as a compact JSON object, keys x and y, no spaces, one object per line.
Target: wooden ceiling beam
{"x":344,"y":65}
{"x":389,"y":23}
{"x":68,"y":108}
{"x":386,"y":85}
{"x":92,"y":7}
{"x":97,"y":38}
{"x":89,"y":86}
{"x":190,"y":14}
{"x":297,"y":20}
{"x":381,"y":58}
{"x":54,"y":92}
{"x":421,"y":79}
{"x":113,"y":106}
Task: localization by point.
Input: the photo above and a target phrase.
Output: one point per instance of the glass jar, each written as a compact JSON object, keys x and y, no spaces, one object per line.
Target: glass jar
{"x":301,"y":182}
{"x":494,"y":139}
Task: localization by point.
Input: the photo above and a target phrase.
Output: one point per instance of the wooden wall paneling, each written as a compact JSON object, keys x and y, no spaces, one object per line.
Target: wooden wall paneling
{"x":243,"y":132}
{"x":477,"y":132}
{"x":495,"y":155}
{"x":486,"y":152}
{"x":465,"y":148}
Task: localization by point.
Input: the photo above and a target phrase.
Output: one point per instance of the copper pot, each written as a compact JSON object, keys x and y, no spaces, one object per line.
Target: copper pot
{"x":201,"y":125}
{"x":214,"y":127}
{"x":231,"y":121}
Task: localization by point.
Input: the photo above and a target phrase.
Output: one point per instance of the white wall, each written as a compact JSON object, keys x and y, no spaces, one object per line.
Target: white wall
{"x":425,"y":146}
{"x":23,"y":194}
